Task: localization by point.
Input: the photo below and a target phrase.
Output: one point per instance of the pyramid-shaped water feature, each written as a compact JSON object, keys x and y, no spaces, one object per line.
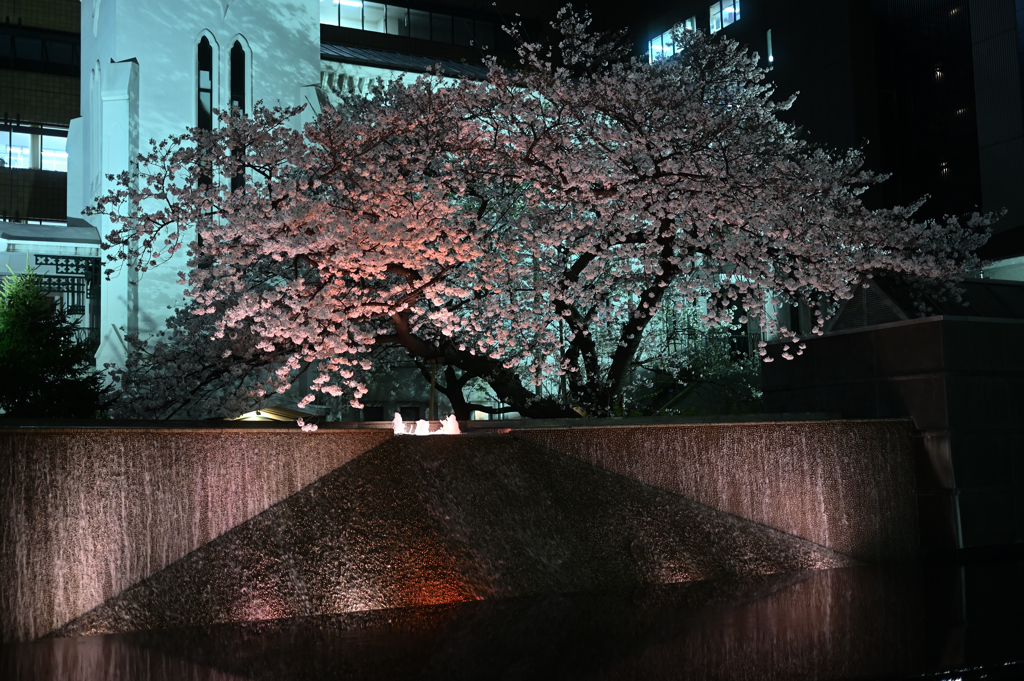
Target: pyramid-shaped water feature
{"x":420,"y":521}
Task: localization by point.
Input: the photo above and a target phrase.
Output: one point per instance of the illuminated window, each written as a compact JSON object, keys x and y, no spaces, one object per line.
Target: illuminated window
{"x":329,"y":12}
{"x":397,"y":20}
{"x":771,"y":55}
{"x":34,"y":147}
{"x":350,"y":13}
{"x":716,"y":17}
{"x":54,"y":153}
{"x":18,"y":150}
{"x":663,"y":46}
{"x":730,"y":11}
{"x":374,"y":17}
{"x":723,"y":14}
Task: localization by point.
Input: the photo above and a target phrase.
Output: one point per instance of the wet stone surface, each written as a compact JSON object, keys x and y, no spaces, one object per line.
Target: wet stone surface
{"x":906,"y":622}
{"x":449,"y":519}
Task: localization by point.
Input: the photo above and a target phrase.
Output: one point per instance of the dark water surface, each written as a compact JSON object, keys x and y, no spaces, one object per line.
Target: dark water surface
{"x":936,"y":622}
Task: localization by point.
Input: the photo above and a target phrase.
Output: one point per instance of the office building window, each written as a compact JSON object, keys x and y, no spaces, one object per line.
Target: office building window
{"x":398,"y":20}
{"x":329,"y":12}
{"x":419,"y":24}
{"x":463,"y":31}
{"x":724,"y":13}
{"x":663,"y":46}
{"x":414,"y":23}
{"x":374,"y":17}
{"x":730,"y":11}
{"x":441,"y":28}
{"x":53,"y":153}
{"x":350,"y":13}
{"x":24,"y":49}
{"x":483,"y":32}
{"x":34,"y":147}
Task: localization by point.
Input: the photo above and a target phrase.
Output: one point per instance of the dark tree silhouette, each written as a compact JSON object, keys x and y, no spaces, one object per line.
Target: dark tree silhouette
{"x":46,"y":370}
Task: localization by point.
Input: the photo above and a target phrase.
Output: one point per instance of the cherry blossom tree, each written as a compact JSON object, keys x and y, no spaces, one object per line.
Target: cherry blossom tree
{"x":527,"y":230}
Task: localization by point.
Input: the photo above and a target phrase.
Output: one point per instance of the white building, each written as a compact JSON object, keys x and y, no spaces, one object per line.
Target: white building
{"x":149,"y":70}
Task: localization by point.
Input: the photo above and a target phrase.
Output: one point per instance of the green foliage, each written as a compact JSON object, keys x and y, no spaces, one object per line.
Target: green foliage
{"x":45,"y":370}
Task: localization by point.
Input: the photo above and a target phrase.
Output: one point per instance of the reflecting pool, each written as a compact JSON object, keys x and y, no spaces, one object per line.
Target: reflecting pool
{"x":951,"y":621}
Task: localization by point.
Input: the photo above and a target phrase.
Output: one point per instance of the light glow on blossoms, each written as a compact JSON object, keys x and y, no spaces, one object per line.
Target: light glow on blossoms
{"x":541,"y":232}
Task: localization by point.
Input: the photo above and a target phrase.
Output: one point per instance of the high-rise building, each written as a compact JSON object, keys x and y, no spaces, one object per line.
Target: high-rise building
{"x":930,"y":89}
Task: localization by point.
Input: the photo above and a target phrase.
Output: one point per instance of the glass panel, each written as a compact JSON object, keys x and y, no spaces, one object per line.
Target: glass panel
{"x":373,"y":17}
{"x":19,"y":154}
{"x":5,"y":55}
{"x":419,"y":24}
{"x":656,"y":49}
{"x":238,"y":73}
{"x":736,"y":6}
{"x":463,"y":31}
{"x":666,"y":42}
{"x":328,"y":12}
{"x":728,"y":13}
{"x":55,"y":156}
{"x":351,"y":13}
{"x":398,"y":20}
{"x":691,"y":24}
{"x":205,"y":110}
{"x":60,"y":53}
{"x":771,"y":55}
{"x":716,"y":17}
{"x":484,"y":34}
{"x":441,"y":27}
{"x":205,"y":102}
{"x":29,"y":49}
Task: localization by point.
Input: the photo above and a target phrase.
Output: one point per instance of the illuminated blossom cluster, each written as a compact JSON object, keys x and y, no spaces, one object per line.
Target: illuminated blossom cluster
{"x":525,"y":228}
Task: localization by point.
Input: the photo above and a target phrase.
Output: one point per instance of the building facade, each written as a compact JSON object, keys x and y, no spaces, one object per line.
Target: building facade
{"x":930,"y":89}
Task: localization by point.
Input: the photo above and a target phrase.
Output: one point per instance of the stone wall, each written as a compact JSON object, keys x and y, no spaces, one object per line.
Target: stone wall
{"x":847,"y":485}
{"x":85,"y":514}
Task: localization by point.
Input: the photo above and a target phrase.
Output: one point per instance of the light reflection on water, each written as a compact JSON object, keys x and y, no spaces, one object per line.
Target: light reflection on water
{"x":836,"y":624}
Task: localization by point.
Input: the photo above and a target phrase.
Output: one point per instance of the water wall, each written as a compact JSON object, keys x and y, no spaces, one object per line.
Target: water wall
{"x":86,"y":513}
{"x":847,"y":485}
{"x":431,"y":520}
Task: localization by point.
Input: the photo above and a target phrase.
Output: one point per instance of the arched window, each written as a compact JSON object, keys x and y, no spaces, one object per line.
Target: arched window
{"x":205,"y":108}
{"x":239,"y":77}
